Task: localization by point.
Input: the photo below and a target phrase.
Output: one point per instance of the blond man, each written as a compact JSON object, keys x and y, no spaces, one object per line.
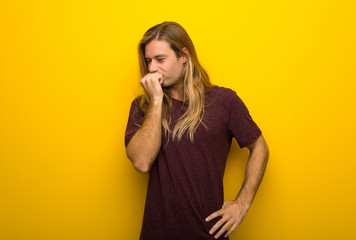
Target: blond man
{"x":180,"y":132}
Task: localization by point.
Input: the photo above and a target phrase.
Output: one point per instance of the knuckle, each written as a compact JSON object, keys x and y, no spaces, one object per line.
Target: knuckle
{"x":226,"y":216}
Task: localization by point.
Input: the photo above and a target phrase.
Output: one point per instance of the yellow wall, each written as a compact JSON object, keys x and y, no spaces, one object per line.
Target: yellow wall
{"x":68,"y":72}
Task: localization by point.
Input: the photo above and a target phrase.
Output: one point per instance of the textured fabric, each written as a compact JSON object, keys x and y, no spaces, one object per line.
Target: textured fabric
{"x":186,"y":180}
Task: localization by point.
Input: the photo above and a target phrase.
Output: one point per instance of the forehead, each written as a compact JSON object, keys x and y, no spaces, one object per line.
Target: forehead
{"x":157,"y":47}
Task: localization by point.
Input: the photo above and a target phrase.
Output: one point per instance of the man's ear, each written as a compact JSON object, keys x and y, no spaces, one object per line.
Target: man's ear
{"x":185,"y":56}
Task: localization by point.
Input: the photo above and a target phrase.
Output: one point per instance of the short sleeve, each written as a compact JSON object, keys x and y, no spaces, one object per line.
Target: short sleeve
{"x":241,"y":125}
{"x":134,"y":122}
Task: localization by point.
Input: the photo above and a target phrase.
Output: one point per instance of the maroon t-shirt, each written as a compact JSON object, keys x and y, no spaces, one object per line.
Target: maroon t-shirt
{"x":186,"y":180}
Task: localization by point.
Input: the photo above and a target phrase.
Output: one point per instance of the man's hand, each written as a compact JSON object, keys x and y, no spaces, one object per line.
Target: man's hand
{"x":151,"y":83}
{"x":232,"y":213}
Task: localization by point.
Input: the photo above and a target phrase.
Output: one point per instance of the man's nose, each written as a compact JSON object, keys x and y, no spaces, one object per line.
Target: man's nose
{"x":152,"y":67}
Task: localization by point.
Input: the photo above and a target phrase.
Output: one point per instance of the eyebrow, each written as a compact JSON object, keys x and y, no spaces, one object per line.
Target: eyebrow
{"x":157,"y":56}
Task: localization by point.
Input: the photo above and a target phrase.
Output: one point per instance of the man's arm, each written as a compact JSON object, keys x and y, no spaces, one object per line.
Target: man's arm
{"x":232,"y":213}
{"x":144,"y":146}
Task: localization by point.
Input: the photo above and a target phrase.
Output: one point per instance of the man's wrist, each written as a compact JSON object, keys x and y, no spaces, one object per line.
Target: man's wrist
{"x":244,"y":201}
{"x":156,"y":102}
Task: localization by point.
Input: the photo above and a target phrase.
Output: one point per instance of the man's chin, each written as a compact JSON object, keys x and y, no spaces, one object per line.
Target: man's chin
{"x":164,"y":84}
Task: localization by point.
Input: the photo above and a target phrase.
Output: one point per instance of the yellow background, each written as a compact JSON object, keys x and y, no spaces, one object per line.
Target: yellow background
{"x":68,"y":73}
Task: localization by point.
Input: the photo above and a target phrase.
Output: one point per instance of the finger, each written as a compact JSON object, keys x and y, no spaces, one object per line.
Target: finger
{"x":217,"y":225}
{"x":155,"y":80}
{"x":223,"y":229}
{"x":159,"y":78}
{"x":213,"y":215}
{"x":232,"y":229}
{"x":155,"y":76}
{"x":148,"y":76}
{"x":149,"y":81}
{"x":146,"y":80}
{"x":143,"y":80}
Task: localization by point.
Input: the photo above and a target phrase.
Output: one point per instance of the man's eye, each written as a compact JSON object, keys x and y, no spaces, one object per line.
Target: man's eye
{"x":160,"y":59}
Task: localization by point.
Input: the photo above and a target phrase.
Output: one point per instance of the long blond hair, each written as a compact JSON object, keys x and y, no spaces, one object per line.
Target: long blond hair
{"x":196,"y":80}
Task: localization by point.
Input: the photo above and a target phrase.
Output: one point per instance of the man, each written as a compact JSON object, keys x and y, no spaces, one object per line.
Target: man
{"x":180,"y":132}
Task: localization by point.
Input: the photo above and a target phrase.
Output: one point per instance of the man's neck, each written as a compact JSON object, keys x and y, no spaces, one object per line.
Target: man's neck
{"x":176,"y":92}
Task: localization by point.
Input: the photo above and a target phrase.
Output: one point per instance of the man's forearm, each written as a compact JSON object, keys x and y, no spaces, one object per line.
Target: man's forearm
{"x":255,"y":169}
{"x":144,"y":146}
{"x":233,"y":212}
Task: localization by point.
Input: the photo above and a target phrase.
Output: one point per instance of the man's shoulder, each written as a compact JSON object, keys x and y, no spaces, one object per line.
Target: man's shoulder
{"x":138,"y":106}
{"x":221,"y":93}
{"x":138,"y":101}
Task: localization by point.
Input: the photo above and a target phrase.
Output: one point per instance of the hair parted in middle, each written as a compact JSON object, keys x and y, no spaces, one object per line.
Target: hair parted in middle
{"x":196,"y":80}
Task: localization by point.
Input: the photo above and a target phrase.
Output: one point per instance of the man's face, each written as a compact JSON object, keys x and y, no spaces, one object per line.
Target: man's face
{"x":161,"y":58}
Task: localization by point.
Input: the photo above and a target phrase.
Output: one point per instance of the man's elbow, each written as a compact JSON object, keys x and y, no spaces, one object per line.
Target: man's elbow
{"x":267,"y":151}
{"x":141,"y":164}
{"x":142,"y":167}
